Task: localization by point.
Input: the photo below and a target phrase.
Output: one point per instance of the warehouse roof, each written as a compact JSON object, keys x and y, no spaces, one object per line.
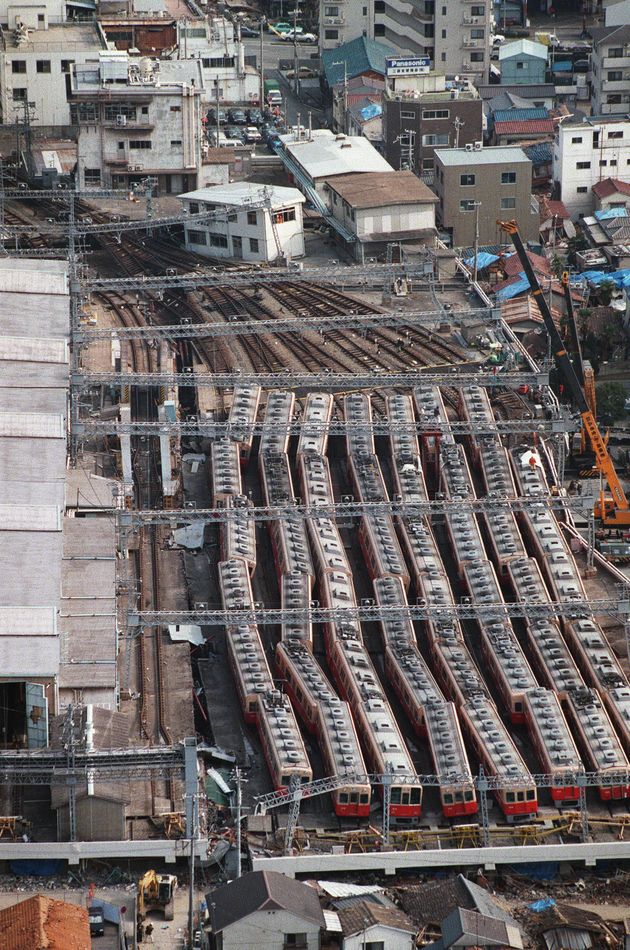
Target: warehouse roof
{"x":262,"y":891}
{"x":244,"y":193}
{"x":325,"y":154}
{"x":43,"y":922}
{"x":523,"y":48}
{"x":495,"y":155}
{"x":380,"y":189}
{"x":360,"y":55}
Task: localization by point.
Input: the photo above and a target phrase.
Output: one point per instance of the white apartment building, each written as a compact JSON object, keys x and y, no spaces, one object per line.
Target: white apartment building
{"x":138,"y":119}
{"x":610,"y":70}
{"x":261,"y":223}
{"x":36,"y":57}
{"x":585,"y":152}
{"x":455,"y":34}
{"x":343,"y":20}
{"x":213,"y":43}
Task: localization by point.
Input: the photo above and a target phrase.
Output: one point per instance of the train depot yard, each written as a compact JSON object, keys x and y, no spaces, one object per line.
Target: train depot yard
{"x":332,"y":607}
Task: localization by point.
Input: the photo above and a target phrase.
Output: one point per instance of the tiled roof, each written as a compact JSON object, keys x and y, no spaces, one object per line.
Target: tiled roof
{"x":380,"y":189}
{"x":539,"y":153}
{"x":359,"y":916}
{"x":519,"y":115}
{"x":552,"y":209}
{"x":512,"y":265}
{"x":262,"y":890}
{"x":528,"y":127}
{"x":41,"y":922}
{"x":360,"y":55}
{"x":611,"y":186}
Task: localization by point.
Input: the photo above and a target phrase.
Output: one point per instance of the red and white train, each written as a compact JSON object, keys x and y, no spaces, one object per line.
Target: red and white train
{"x":243,"y":412}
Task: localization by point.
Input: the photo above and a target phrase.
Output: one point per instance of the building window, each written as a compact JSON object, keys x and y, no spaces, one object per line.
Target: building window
{"x":175,"y":143}
{"x":613,"y":162}
{"x":439,"y":138}
{"x":405,"y":114}
{"x":334,"y":34}
{"x":66,"y":65}
{"x":218,"y":240}
{"x":614,"y":75}
{"x":41,"y":18}
{"x":508,"y":178}
{"x":379,"y":6}
{"x":467,"y":180}
{"x":435,"y":113}
{"x":520,"y":65}
{"x":113,"y":110}
{"x":92,"y":176}
{"x":43,"y":65}
{"x":477,"y":34}
{"x":576,"y":140}
{"x":19,"y":95}
{"x":583,"y":165}
{"x":443,"y":11}
{"x":295,"y":940}
{"x":443,"y":34}
{"x":582,"y":190}
{"x":617,"y":134}
{"x":508,"y":204}
{"x":121,"y":146}
{"x":467,"y":204}
{"x":443,"y":57}
{"x":252,"y":217}
{"x":176,"y":108}
{"x":193,"y":207}
{"x":477,"y":11}
{"x":615,"y":52}
{"x":254,"y":245}
{"x":375,"y":945}
{"x":197,"y":237}
{"x":476,"y":57}
{"x":18,"y":66}
{"x":331,"y":11}
{"x":286,"y":214}
{"x":614,"y":99}
{"x":603,"y":163}
{"x":140,"y":144}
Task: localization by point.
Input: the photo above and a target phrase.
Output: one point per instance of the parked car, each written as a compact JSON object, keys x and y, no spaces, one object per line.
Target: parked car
{"x":273,"y":140}
{"x":234,"y":133}
{"x":237,"y":117}
{"x":254,"y":116}
{"x":304,"y":72}
{"x":249,"y":31}
{"x":581,"y":66}
{"x":252,"y":134}
{"x":300,"y":36}
{"x":211,"y":116}
{"x":283,"y":27}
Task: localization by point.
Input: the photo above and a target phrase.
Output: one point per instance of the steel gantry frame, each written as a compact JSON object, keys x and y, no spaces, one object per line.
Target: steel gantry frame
{"x":483,"y":784}
{"x":242,"y":325}
{"x":295,"y":380}
{"x":128,"y":518}
{"x":369,"y":613}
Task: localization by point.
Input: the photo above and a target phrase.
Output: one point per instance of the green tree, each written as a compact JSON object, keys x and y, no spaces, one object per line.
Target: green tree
{"x":611,"y":398}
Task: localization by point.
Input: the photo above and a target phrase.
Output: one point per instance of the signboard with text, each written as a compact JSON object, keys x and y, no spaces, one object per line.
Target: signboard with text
{"x":407,"y":66}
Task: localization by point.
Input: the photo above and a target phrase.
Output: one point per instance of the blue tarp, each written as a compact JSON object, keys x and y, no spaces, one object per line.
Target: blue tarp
{"x":565,"y":66}
{"x":33,"y":868}
{"x":519,"y":286}
{"x":607,"y":213}
{"x":483,"y":260}
{"x":543,"y":904}
{"x":371,"y":111}
{"x":621,"y":278}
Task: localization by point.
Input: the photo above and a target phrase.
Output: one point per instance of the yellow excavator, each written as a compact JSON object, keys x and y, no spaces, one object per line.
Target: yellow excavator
{"x":156,"y":892}
{"x":612,"y":510}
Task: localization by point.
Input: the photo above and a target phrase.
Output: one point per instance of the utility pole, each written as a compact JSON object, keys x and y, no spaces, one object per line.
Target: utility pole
{"x":477,"y":205}
{"x":238,"y":779}
{"x":216,"y":109}
{"x":296,"y":81}
{"x":458,"y":123}
{"x":261,"y":92}
{"x":345,"y":92}
{"x":191,"y":891}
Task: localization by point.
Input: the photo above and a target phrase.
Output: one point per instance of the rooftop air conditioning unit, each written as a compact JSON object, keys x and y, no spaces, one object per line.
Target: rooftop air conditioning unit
{"x":469,"y":147}
{"x":121,"y":120}
{"x":478,"y":146}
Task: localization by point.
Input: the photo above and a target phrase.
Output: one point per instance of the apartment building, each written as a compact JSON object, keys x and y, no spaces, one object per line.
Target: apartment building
{"x":478,"y":187}
{"x":138,"y":119}
{"x":587,"y":151}
{"x":222,"y":57}
{"x":36,"y":57}
{"x":422,"y":113}
{"x":342,"y":21}
{"x":610,"y":70}
{"x":454,"y":34}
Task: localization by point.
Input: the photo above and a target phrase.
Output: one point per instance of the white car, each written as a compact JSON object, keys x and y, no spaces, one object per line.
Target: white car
{"x":300,"y":37}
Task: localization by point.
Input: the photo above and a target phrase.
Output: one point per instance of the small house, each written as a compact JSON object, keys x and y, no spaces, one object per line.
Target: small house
{"x":523,"y":62}
{"x":367,"y":924}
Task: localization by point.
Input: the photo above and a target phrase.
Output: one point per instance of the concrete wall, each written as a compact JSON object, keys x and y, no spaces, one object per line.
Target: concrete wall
{"x":489,"y":190}
{"x":609,"y":78}
{"x":46,"y":90}
{"x":343,"y":20}
{"x":596,"y":146}
{"x":395,"y":218}
{"x":523,"y":69}
{"x":266,"y":930}
{"x":407,"y":116}
{"x":97,"y":820}
{"x":290,"y":234}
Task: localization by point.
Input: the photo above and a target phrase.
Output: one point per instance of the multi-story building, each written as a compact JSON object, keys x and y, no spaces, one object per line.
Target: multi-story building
{"x":610,"y":70}
{"x":476,"y":187}
{"x":422,"y":113}
{"x":455,"y":35}
{"x":587,"y":151}
{"x":342,"y":21}
{"x":138,"y":119}
{"x":36,"y":56}
{"x":222,"y":57}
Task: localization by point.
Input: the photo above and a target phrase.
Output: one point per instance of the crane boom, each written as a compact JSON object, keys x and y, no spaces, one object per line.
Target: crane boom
{"x":613,"y":511}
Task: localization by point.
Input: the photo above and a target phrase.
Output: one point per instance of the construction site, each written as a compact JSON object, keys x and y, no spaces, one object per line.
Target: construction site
{"x":293,"y":568}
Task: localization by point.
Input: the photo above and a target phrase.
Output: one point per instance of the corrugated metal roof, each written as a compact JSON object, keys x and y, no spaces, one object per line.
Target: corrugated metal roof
{"x":519,"y":115}
{"x":326,"y":154}
{"x":523,"y":48}
{"x":495,"y":155}
{"x":359,"y":56}
{"x":343,"y":889}
{"x":333,"y":924}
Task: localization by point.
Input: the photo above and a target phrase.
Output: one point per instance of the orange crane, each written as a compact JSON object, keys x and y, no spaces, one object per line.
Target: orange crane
{"x":582,"y":367}
{"x":613,"y":510}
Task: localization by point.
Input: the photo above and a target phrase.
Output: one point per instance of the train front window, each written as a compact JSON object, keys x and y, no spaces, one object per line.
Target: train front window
{"x":285,"y":780}
{"x":469,"y":797}
{"x":509,"y":796}
{"x":405,"y":798}
{"x":396,"y":796}
{"x":531,"y":794}
{"x":448,"y":798}
{"x":520,"y":796}
{"x":354,"y":798}
{"x":252,"y":706}
{"x":364,"y":799}
{"x":518,"y":707}
{"x":459,"y":796}
{"x":343,"y":798}
{"x":415,"y":796}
